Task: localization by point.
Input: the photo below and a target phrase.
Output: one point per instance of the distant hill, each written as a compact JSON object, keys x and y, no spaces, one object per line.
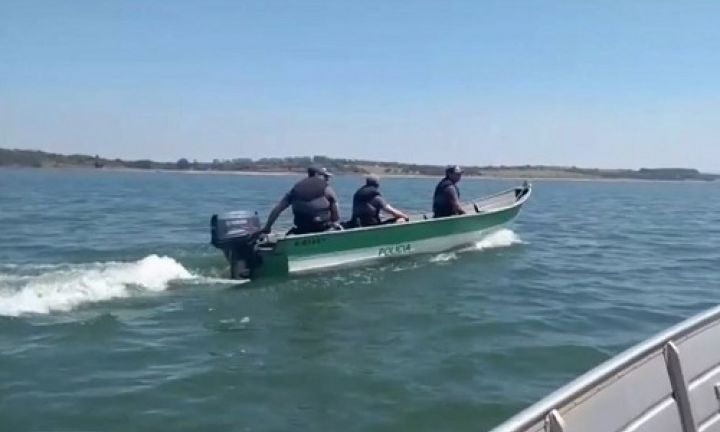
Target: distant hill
{"x":40,"y":159}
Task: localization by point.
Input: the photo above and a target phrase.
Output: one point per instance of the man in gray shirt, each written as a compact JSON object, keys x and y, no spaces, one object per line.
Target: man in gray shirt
{"x":368,"y":202}
{"x":446,"y":200}
{"x":314,"y":204}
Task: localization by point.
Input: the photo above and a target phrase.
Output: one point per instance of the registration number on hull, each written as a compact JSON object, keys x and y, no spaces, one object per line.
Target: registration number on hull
{"x":400,"y":249}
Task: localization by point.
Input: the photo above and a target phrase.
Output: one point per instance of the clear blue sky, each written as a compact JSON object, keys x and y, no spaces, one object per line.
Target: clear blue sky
{"x":596,"y":83}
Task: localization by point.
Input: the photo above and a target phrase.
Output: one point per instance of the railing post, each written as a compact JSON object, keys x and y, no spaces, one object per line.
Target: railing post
{"x":679,"y":387}
{"x":554,"y":422}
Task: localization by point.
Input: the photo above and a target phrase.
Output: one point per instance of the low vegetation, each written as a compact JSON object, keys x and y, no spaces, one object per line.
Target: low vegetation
{"x":40,"y":159}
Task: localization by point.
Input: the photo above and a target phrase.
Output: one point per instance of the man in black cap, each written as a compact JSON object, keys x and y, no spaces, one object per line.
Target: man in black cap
{"x":446,"y":201}
{"x":368,"y":202}
{"x":314,"y":204}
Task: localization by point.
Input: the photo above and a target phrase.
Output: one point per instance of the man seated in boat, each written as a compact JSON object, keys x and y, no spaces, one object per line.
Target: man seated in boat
{"x":446,"y":201}
{"x":368,"y":202}
{"x":314,"y":204}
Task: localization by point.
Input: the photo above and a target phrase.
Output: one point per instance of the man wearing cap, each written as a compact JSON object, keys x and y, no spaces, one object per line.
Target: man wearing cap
{"x":368,"y":202}
{"x":446,"y":201}
{"x":314,"y":204}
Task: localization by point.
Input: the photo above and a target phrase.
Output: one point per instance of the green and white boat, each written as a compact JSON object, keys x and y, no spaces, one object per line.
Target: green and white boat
{"x":252,"y":255}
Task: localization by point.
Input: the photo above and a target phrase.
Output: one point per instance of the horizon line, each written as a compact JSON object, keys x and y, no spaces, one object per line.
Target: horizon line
{"x":312,"y":157}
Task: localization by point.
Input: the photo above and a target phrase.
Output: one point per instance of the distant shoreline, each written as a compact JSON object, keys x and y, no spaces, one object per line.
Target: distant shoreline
{"x":297,"y":165}
{"x":358,"y":175}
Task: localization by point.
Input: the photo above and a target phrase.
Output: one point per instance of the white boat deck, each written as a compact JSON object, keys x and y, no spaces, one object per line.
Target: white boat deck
{"x":670,"y":383}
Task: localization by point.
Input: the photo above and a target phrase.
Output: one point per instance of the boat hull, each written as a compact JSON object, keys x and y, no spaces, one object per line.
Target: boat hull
{"x":312,"y":252}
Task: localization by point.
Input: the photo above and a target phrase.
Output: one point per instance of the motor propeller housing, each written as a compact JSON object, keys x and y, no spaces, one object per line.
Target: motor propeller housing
{"x":236,"y":233}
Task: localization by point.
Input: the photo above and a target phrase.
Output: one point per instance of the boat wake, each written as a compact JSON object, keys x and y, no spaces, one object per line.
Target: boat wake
{"x":501,"y":238}
{"x":498,"y":239}
{"x":69,"y":286}
{"x":47,"y":288}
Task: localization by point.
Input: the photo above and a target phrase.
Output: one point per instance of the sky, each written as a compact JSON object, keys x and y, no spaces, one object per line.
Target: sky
{"x":609,"y":84}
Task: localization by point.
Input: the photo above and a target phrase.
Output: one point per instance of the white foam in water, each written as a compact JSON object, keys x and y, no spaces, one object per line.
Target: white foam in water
{"x":205,"y":280}
{"x":443,"y":257}
{"x":63,"y":290}
{"x":498,"y":239}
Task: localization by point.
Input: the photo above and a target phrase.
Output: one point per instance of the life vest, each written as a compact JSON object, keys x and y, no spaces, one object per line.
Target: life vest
{"x":364,"y":213}
{"x":309,"y":204}
{"x":441,"y":205}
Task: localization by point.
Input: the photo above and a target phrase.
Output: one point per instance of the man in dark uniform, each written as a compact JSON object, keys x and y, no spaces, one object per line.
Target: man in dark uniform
{"x":314,"y":204}
{"x":446,"y":201}
{"x":368,"y":202}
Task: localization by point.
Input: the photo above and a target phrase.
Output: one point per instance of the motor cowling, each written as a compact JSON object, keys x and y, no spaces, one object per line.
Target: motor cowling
{"x":236,"y":233}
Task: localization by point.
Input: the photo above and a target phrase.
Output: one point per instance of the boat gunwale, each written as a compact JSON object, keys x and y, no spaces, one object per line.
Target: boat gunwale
{"x":518,"y":203}
{"x":600,"y":374}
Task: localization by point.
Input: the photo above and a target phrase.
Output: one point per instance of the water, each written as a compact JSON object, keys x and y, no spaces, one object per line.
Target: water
{"x":115,"y":313}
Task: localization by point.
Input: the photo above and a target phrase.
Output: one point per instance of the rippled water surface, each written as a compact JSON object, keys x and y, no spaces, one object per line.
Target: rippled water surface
{"x":115,"y":313}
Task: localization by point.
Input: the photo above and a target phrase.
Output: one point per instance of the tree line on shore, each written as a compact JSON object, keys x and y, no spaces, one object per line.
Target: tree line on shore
{"x":40,"y":159}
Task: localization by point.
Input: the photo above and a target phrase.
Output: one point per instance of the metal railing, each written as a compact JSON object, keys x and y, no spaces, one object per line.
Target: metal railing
{"x":547,"y":414}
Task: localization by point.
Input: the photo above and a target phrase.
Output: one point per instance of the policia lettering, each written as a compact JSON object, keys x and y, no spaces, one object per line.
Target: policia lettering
{"x":395,"y":250}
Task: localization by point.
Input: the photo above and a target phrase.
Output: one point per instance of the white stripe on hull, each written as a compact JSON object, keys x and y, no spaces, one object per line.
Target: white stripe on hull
{"x":387,"y":251}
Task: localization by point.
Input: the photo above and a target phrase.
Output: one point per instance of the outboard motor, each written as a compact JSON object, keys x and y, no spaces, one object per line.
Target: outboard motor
{"x":236,"y":234}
